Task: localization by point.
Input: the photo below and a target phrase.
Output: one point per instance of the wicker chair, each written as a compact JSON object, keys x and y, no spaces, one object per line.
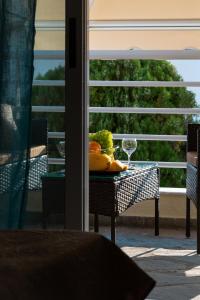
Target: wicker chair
{"x":38,"y":159}
{"x":38,"y":153}
{"x":193,"y":177}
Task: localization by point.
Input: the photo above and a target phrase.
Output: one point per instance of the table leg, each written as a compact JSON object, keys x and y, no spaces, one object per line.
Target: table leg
{"x":156,"y":216}
{"x":96,"y":222}
{"x":113,"y":229}
{"x":187,"y":217}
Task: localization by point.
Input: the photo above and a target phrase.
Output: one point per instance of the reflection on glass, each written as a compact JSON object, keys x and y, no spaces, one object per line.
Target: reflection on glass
{"x":61,"y":148}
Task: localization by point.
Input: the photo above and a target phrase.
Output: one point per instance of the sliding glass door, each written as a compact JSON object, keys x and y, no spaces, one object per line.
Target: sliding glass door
{"x":60,"y":95}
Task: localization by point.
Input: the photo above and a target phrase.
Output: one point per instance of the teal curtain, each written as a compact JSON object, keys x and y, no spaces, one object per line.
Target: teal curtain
{"x":17,"y":34}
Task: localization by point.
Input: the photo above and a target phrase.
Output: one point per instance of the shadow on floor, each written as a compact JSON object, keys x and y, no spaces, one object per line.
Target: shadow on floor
{"x":170,"y":259}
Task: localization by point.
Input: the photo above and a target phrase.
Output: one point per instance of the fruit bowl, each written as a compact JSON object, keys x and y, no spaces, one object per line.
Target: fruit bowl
{"x":103,"y":160}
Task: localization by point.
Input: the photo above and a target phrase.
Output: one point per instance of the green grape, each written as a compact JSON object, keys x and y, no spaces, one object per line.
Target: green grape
{"x":105,"y":139}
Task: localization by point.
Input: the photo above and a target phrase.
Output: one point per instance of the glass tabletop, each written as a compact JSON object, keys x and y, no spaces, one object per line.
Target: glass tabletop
{"x":133,"y":168}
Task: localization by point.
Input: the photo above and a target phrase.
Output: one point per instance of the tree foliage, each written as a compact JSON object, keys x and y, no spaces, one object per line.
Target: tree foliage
{"x":147,"y":70}
{"x":133,"y":70}
{"x":50,"y":95}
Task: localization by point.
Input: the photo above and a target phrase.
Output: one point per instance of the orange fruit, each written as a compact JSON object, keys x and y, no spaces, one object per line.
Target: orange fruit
{"x":94,"y":147}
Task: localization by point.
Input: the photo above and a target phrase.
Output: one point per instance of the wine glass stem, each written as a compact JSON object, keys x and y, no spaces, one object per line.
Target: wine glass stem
{"x":129,"y":159}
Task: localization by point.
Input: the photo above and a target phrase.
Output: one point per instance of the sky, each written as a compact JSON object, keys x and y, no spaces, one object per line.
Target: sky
{"x":42,"y":66}
{"x":188,"y":69}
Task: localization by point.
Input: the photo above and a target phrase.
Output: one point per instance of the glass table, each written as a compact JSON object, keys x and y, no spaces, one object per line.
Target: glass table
{"x":109,"y":194}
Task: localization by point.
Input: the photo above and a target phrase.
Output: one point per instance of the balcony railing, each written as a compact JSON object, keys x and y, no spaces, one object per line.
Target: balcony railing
{"x":186,"y":54}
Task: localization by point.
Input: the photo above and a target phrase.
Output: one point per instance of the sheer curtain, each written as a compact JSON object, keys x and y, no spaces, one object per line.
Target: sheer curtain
{"x":16,"y":73}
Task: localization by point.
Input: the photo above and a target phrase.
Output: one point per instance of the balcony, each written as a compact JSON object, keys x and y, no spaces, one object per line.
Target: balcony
{"x":172,"y":198}
{"x":170,"y":258}
{"x":164,"y":45}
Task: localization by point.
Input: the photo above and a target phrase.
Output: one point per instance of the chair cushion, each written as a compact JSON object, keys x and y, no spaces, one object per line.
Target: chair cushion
{"x":192,"y":158}
{"x":4,"y":158}
{"x":35,"y":151}
{"x":38,"y":151}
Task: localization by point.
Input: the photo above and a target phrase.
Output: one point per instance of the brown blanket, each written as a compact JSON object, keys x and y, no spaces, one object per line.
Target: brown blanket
{"x":40,"y":265}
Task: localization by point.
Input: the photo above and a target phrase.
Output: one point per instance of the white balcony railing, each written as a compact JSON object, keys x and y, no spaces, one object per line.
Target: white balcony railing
{"x":184,"y":54}
{"x":96,"y":83}
{"x":130,"y":54}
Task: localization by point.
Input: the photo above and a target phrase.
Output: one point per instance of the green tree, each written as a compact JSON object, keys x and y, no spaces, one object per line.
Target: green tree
{"x":143,"y":97}
{"x":50,"y":95}
{"x":133,"y":97}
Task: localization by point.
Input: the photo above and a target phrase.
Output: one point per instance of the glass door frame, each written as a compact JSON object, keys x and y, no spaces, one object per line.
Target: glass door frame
{"x":76,"y":116}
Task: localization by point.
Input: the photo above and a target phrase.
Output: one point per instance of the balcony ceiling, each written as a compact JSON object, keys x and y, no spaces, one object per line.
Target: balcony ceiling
{"x":129,"y":24}
{"x":144,"y":9}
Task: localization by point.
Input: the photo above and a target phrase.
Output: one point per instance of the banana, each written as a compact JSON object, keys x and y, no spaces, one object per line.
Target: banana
{"x":99,"y":162}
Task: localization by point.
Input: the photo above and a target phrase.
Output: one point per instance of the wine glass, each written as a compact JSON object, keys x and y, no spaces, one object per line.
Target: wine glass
{"x":61,"y":148}
{"x":129,"y":146}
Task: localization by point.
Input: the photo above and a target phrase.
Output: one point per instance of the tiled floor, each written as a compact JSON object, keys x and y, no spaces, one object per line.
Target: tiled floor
{"x":170,"y":259}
